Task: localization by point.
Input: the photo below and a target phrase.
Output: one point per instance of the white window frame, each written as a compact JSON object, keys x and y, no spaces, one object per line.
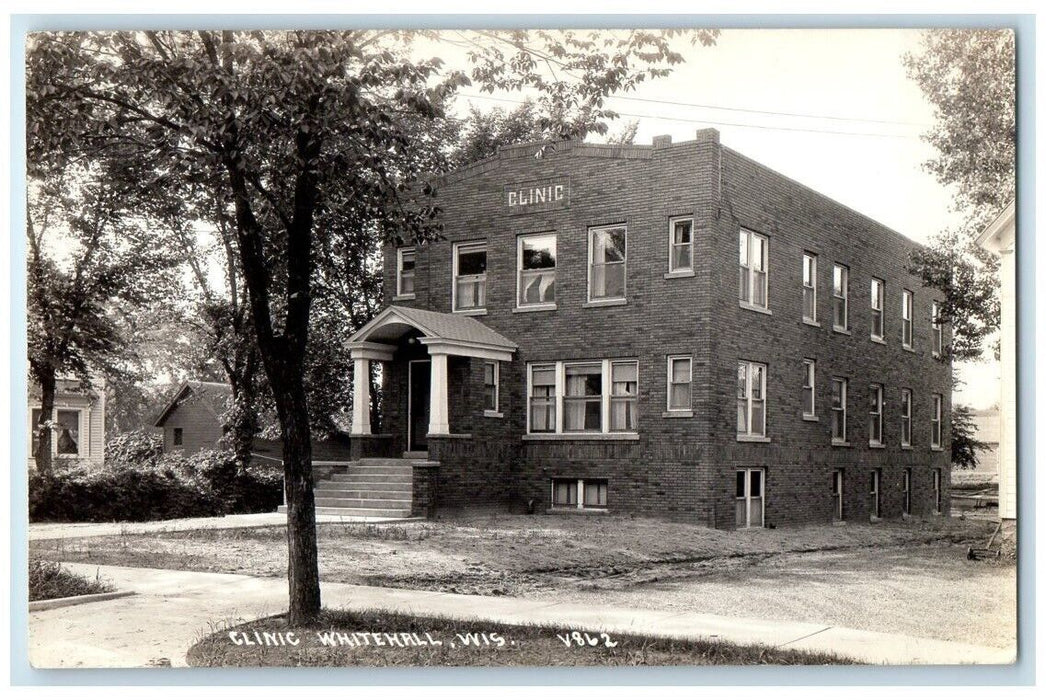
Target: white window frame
{"x":672,"y":245}
{"x":809,"y":383}
{"x":844,"y":399}
{"x":749,"y":365}
{"x":878,"y":304}
{"x":937,"y":328}
{"x":937,"y":422}
{"x":906,"y":491}
{"x":748,"y":498}
{"x":467,"y":247}
{"x":875,"y":414}
{"x":537,"y":305}
{"x":496,"y":411}
{"x":907,"y":312}
{"x":400,"y":294}
{"x":689,"y":408}
{"x":810,"y":286}
{"x":592,"y":263}
{"x":579,"y":494}
{"x":875,"y":494}
{"x":606,"y":370}
{"x":906,"y":417}
{"x":81,"y":430}
{"x":844,"y":297}
{"x":747,"y":270}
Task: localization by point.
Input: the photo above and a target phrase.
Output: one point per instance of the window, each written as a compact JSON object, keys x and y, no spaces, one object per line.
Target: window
{"x":751,"y":399}
{"x":878,"y":294}
{"x":837,"y":495}
{"x":809,"y":396}
{"x":935,"y":423}
{"x":593,"y":493}
{"x":543,"y":399}
{"x":583,"y":402}
{"x":906,"y":417}
{"x":810,"y":287}
{"x":681,"y":245}
{"x":875,"y":415}
{"x":838,"y":410}
{"x":470,"y":276}
{"x":749,"y":498}
{"x":906,"y":492}
{"x":680,"y":376}
{"x":606,"y":273}
{"x":753,"y":249}
{"x":624,"y":396}
{"x":840,"y":297}
{"x":490,"y":386}
{"x":937,"y":330}
{"x":67,"y":431}
{"x":874,"y":502}
{"x":936,"y":490}
{"x":907,"y":304}
{"x":405,"y":259}
{"x":177,"y":437}
{"x":599,"y":396}
{"x":537,"y":270}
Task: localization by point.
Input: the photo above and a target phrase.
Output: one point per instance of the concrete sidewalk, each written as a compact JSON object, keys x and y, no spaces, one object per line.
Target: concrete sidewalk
{"x":173,"y":609}
{"x":59,"y":531}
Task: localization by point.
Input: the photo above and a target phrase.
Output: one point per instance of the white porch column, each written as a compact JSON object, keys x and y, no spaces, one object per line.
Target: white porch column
{"x":360,"y":396}
{"x":439,"y":422}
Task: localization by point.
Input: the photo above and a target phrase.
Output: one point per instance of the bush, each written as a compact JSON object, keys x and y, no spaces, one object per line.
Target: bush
{"x":139,"y":483}
{"x":48,"y":580}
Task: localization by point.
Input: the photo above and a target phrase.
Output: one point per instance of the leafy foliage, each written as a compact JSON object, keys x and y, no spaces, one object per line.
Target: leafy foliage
{"x":968,"y":76}
{"x":965,"y":444}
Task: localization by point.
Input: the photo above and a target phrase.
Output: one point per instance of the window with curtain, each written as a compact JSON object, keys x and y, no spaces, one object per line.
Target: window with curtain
{"x":754,"y":263}
{"x":405,"y":271}
{"x":681,"y":245}
{"x":583,"y":398}
{"x":537,"y":270}
{"x":543,"y":399}
{"x":751,"y":399}
{"x":624,"y":393}
{"x":490,"y":386}
{"x":67,"y":432}
{"x":680,"y":377}
{"x":606,"y":278}
{"x":470,"y":276}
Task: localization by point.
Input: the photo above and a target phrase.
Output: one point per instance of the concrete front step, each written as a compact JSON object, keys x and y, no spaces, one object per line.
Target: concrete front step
{"x":383,"y":461}
{"x":325,"y":502}
{"x":372,"y":478}
{"x":359,"y":512}
{"x":329,"y":491}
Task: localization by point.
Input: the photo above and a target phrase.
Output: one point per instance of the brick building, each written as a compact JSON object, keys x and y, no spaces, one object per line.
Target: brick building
{"x":671,"y":330}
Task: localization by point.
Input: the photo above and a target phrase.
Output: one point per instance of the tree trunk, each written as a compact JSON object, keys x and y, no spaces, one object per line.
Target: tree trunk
{"x":302,"y":567}
{"x":46,"y":379}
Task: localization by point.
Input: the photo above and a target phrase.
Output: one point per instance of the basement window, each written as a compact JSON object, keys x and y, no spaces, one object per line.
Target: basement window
{"x":593,"y":493}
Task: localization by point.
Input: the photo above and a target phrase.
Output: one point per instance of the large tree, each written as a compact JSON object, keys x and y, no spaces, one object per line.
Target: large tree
{"x":308,"y":136}
{"x":92,"y":262}
{"x":968,"y":76}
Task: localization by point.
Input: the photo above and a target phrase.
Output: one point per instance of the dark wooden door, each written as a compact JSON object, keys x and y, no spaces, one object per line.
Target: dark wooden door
{"x":420,"y":371}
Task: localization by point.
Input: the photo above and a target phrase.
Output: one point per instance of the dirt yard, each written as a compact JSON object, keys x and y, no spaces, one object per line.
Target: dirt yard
{"x":910,"y":577}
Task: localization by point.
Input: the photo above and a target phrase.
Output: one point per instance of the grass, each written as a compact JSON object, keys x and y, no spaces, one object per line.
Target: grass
{"x":412,"y":641}
{"x":48,"y":580}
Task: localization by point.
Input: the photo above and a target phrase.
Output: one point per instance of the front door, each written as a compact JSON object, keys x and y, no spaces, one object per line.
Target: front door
{"x":418,"y":405}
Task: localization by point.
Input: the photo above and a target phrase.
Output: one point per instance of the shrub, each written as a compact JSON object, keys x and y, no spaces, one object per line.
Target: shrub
{"x":48,"y":580}
{"x":138,"y":483}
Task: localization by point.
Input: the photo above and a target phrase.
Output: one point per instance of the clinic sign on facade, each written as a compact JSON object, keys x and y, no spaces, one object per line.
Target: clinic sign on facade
{"x":541,"y":195}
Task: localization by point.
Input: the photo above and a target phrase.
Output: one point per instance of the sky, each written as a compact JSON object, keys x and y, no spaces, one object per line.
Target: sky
{"x":831,"y":108}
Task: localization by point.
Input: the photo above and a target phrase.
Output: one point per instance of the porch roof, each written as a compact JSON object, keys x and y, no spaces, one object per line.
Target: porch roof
{"x":451,"y":333}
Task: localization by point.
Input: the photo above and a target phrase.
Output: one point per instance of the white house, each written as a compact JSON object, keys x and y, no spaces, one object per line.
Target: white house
{"x":1000,"y":238}
{"x":79,"y":417}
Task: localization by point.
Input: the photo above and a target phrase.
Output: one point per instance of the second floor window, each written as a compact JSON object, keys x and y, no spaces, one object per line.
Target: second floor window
{"x":840,"y":297}
{"x":935,"y":422}
{"x":809,"y":398}
{"x":838,"y":409}
{"x":875,"y":415}
{"x":607,"y":255}
{"x":907,"y":304}
{"x":405,"y":258}
{"x":754,"y":263}
{"x":878,"y":294}
{"x":810,"y":287}
{"x":537,"y":270}
{"x":681,"y":245}
{"x":937,"y":329}
{"x":906,"y":417}
{"x":470,"y":276}
{"x":751,"y":399}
